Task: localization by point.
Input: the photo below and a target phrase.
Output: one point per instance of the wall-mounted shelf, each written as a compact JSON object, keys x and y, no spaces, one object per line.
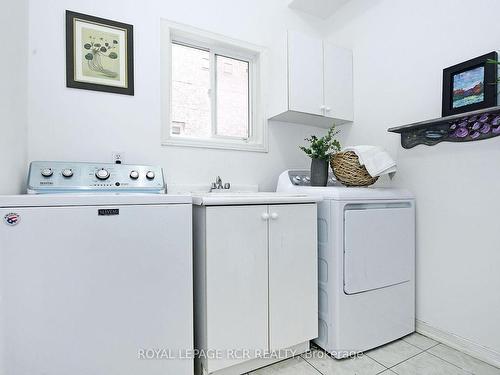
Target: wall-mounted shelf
{"x":464,"y":127}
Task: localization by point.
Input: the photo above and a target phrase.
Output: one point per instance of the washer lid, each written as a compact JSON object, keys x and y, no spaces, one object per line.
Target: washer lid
{"x":44,"y":200}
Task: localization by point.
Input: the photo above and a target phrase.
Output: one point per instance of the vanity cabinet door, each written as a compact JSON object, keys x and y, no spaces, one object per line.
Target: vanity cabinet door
{"x":293,"y":275}
{"x":236,"y":280}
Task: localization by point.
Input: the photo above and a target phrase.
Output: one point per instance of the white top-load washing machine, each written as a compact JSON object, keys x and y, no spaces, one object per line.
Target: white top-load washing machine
{"x":366,"y":249}
{"x":96,"y":274}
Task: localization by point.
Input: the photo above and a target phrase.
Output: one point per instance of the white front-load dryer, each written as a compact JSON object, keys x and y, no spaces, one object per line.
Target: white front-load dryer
{"x":366,"y":251}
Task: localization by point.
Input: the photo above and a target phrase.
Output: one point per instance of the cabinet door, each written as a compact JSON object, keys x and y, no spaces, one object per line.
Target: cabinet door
{"x":305,"y":73}
{"x":236,"y":280}
{"x":338,"y":82}
{"x":293,"y":279}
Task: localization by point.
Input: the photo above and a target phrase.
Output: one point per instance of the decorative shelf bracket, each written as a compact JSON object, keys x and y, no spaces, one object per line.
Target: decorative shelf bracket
{"x":464,"y":127}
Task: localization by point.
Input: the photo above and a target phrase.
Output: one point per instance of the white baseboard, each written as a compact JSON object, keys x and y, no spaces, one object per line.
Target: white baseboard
{"x":471,"y":348}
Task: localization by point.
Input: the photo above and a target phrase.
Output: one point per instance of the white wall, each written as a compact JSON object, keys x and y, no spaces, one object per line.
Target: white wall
{"x":13,"y":113}
{"x":13,"y":96}
{"x":400,"y":49}
{"x":70,"y":124}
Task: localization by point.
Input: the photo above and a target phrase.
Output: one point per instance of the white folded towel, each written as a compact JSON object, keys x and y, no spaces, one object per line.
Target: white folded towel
{"x":375,"y":159}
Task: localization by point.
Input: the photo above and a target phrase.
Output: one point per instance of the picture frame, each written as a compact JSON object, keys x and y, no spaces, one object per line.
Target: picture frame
{"x":470,"y":86}
{"x":99,"y":54}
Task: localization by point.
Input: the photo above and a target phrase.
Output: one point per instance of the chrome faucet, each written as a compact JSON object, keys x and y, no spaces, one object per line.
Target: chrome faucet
{"x":217,"y":185}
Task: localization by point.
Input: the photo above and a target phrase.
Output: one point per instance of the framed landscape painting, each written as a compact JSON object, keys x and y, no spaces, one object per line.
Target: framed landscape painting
{"x":470,"y":86}
{"x":99,"y":54}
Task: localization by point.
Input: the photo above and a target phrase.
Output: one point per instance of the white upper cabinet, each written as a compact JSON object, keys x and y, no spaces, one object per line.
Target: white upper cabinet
{"x":305,"y":74}
{"x":319,"y":88}
{"x":338,"y":82}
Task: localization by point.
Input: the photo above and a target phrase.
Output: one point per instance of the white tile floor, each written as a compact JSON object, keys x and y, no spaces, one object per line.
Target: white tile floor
{"x":413,"y":355}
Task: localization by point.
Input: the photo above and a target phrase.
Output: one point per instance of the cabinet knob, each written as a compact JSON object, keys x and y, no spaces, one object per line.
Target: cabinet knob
{"x":274,"y":216}
{"x":265,"y":216}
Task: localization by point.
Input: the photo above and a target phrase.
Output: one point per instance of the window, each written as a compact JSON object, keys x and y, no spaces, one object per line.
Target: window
{"x":211,"y":91}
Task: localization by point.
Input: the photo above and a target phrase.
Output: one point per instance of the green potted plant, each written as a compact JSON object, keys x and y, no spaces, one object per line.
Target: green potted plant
{"x":320,"y":151}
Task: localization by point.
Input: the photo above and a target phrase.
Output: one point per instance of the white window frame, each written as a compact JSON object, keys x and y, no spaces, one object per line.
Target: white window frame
{"x":172,"y":32}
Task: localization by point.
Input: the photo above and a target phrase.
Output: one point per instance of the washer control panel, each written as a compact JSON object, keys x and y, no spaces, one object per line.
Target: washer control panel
{"x":303,"y":178}
{"x":74,"y":177}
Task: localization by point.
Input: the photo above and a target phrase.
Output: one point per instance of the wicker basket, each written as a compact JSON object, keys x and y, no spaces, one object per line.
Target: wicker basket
{"x":346,"y":168}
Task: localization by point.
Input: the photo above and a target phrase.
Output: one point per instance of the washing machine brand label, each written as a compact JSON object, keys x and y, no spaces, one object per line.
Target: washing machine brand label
{"x":108,"y":212}
{"x":12,"y":219}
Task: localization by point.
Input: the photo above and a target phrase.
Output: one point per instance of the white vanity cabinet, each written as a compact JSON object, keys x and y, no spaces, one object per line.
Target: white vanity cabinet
{"x":319,"y":83}
{"x":255,"y":283}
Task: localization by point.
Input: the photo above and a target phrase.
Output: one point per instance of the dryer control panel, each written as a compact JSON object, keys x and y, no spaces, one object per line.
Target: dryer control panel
{"x":303,"y":178}
{"x":76,"y":177}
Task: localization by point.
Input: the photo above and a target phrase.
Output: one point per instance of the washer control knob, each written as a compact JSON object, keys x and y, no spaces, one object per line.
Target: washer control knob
{"x":102,"y":174}
{"x":67,"y":173}
{"x":150,"y":175}
{"x":47,"y":172}
{"x":134,"y":175}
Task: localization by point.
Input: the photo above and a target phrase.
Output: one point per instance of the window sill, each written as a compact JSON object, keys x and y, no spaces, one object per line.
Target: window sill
{"x":216,"y":144}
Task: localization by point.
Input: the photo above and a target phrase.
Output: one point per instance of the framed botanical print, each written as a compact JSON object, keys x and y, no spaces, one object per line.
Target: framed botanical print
{"x":99,"y":54}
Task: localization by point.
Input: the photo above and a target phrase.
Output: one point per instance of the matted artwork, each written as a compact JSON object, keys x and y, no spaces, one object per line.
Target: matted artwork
{"x":468,"y":87}
{"x":99,"y":54}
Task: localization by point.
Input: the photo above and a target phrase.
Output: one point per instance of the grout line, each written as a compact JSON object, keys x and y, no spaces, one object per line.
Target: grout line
{"x":343,"y":359}
{"x":436,"y":344}
{"x":406,"y":360}
{"x":409,"y":343}
{"x":317,"y":348}
{"x":433,"y":346}
{"x":374,"y":360}
{"x":390,"y":367}
{"x":384,"y":370}
{"x":310,"y":364}
{"x":413,"y":356}
{"x":451,"y":363}
{"x":422,"y":351}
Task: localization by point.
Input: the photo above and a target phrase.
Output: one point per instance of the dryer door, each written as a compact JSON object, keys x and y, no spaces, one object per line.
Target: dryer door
{"x":379,"y":246}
